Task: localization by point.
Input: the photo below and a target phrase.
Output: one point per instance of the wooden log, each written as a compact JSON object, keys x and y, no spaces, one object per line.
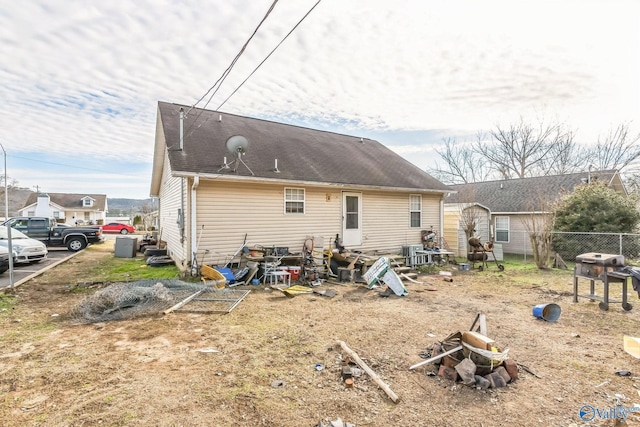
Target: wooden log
{"x":394,"y":397}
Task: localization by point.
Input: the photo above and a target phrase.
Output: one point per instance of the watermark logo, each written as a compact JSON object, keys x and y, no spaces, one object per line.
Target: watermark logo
{"x":590,"y":413}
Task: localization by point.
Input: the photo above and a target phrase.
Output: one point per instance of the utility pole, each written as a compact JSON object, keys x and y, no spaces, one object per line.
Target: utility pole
{"x":6,"y":217}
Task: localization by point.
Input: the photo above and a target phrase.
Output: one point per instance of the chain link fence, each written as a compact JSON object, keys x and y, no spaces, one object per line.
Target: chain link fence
{"x":571,"y":244}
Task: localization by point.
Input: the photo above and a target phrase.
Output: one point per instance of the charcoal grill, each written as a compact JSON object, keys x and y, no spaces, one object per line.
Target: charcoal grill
{"x":605,"y":268}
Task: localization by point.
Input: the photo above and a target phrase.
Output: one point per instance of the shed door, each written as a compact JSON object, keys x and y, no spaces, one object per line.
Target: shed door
{"x":351,"y":219}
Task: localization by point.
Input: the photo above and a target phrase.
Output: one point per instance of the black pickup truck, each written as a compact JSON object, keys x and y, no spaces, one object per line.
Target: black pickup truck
{"x":49,"y":232}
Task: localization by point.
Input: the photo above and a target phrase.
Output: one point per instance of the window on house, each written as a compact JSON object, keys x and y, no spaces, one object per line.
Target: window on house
{"x":87,"y":202}
{"x":56,"y":214}
{"x":294,"y":200}
{"x":502,"y":229}
{"x":415,"y":210}
{"x":31,"y":213}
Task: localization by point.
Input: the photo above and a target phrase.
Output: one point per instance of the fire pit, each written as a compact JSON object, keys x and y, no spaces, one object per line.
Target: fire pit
{"x":606,"y":268}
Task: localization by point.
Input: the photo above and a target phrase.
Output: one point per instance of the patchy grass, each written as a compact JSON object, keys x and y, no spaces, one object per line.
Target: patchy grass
{"x":6,"y":301}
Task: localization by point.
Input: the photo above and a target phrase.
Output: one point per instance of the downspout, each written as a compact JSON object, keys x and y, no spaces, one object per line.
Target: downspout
{"x":182,"y":190}
{"x":193,"y":233}
{"x":441,"y":231}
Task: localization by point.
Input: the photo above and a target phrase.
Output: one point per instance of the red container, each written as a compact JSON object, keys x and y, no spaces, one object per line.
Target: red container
{"x":295,"y":272}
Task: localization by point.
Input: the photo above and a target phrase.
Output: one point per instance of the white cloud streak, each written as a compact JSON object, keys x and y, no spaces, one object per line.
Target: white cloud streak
{"x":85,"y":76}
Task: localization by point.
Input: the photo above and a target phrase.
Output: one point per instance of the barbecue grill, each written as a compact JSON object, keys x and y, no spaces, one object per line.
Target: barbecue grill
{"x":605,"y":268}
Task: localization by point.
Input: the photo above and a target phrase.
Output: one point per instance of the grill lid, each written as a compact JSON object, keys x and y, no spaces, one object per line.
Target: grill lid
{"x":601,"y":259}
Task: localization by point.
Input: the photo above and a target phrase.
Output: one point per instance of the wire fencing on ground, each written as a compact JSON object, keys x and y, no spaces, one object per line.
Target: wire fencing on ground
{"x":151,"y":297}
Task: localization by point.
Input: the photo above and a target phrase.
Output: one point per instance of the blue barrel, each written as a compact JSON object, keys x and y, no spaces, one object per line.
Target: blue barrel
{"x":549,"y":312}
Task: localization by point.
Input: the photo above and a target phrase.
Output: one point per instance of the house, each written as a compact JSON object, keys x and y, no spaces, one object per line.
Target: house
{"x":231,"y":181}
{"x":510,"y":202}
{"x":67,"y":208}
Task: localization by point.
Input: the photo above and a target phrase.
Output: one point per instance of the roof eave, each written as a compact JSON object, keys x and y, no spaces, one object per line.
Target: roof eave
{"x":254,"y":179}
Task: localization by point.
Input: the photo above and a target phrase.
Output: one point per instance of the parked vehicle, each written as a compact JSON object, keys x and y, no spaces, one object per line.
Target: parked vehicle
{"x":4,"y":259}
{"x":49,"y":232}
{"x":26,"y":250}
{"x":116,"y":227}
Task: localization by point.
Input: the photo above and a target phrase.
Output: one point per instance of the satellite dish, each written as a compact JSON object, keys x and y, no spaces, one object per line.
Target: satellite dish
{"x":237,"y":144}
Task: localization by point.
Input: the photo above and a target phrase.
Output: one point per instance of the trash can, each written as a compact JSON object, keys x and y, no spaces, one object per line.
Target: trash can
{"x":126,"y":247}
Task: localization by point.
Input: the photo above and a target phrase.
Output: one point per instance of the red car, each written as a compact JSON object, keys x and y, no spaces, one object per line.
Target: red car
{"x":116,"y":227}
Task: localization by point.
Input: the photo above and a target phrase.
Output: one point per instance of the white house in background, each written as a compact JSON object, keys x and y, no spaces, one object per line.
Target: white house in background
{"x":67,"y":208}
{"x":230,"y":177}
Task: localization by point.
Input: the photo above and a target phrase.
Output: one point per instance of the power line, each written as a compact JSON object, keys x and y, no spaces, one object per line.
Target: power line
{"x":74,"y":167}
{"x":270,"y":53}
{"x":190,"y":130}
{"x":226,"y":72}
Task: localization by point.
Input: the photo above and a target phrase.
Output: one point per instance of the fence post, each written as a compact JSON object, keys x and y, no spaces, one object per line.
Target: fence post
{"x":620,"y":235}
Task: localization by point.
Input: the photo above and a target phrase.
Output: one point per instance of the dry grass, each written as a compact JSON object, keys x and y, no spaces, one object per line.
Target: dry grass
{"x":149,"y":371}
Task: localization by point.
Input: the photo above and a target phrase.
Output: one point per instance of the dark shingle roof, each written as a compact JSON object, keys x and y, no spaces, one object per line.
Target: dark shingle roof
{"x":303,"y":154}
{"x":519,"y":195}
{"x":70,"y":200}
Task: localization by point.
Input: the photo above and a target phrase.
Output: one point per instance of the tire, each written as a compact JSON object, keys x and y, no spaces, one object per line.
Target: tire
{"x":76,"y":244}
{"x":159,"y":261}
{"x":155,"y":252}
{"x":124,"y":231}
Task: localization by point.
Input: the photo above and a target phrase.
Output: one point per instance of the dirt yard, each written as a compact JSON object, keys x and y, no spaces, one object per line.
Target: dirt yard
{"x":257,"y":365}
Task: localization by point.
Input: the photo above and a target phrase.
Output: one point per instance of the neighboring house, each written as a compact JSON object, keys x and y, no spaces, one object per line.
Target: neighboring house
{"x":511,"y":201}
{"x":279,"y":185}
{"x":67,"y":208}
{"x":457,"y":216}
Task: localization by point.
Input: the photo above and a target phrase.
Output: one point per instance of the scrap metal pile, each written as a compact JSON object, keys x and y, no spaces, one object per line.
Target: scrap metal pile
{"x":151,"y":297}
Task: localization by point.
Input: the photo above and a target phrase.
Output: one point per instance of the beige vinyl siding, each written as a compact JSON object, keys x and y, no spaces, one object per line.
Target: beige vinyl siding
{"x":452,"y":230}
{"x":229,"y":210}
{"x":170,"y":201}
{"x":387,"y":221}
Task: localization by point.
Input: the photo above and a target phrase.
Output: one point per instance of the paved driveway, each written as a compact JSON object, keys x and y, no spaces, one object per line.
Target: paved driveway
{"x":23,"y":272}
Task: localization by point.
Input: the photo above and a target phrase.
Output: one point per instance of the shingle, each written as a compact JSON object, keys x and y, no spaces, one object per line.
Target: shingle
{"x":70,"y":200}
{"x":521,"y":195}
{"x":303,"y":154}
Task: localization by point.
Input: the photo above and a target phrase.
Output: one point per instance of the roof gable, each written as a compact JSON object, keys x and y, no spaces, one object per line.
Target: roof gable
{"x":302,"y":154}
{"x":517,"y":195}
{"x":71,"y":201}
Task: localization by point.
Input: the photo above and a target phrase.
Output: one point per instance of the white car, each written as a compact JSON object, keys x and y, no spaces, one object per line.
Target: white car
{"x":25,"y":249}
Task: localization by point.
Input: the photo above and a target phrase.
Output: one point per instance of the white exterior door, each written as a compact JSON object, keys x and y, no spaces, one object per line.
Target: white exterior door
{"x":351,"y":219}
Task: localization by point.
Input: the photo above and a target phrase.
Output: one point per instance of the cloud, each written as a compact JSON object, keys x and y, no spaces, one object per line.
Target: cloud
{"x":82,"y":79}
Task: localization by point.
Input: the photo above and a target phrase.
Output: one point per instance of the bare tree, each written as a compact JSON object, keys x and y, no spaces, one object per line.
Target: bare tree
{"x":462,"y":163}
{"x":146,"y":209}
{"x":616,"y":150}
{"x":539,"y":225}
{"x":524,"y":149}
{"x":564,"y":157}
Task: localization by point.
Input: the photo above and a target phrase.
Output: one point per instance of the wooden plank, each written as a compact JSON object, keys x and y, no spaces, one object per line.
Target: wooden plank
{"x":394,"y":397}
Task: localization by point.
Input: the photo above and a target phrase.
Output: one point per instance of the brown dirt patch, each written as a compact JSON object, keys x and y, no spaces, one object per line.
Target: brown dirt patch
{"x":148,"y":371}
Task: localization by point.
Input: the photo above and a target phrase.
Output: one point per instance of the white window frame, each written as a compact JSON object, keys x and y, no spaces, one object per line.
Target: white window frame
{"x":87,"y":202}
{"x":502,"y":229}
{"x":413,"y":198}
{"x":291,"y":198}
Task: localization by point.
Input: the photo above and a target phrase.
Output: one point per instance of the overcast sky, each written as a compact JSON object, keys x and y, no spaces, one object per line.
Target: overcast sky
{"x":81,"y":79}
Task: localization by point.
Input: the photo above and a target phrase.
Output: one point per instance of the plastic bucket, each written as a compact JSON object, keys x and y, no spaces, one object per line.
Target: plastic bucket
{"x":463,"y":267}
{"x":549,"y":312}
